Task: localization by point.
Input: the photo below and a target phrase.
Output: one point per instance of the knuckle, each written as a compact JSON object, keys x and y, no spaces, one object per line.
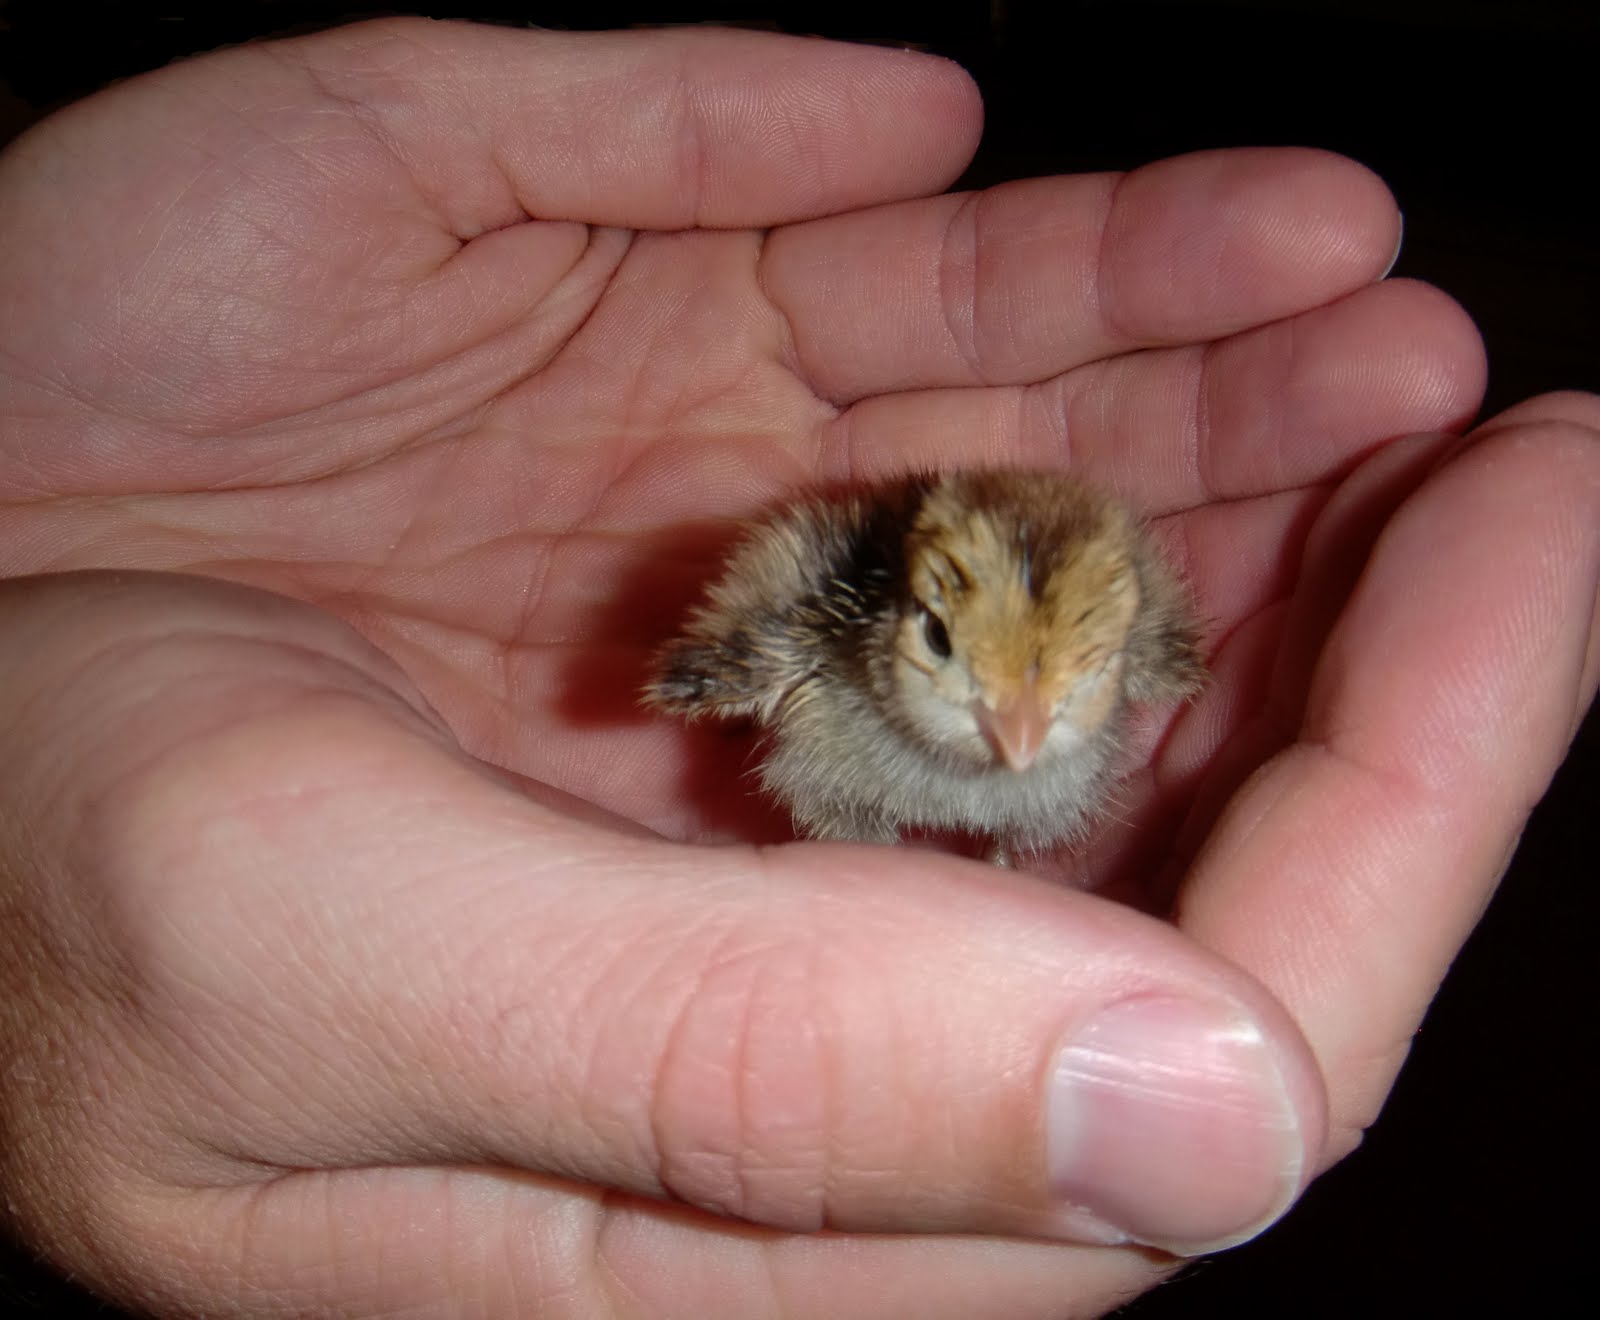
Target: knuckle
{"x":959,"y":258}
{"x":740,"y":1102}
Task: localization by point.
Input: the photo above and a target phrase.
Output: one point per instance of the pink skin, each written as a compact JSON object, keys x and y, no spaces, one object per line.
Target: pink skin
{"x":304,"y":1003}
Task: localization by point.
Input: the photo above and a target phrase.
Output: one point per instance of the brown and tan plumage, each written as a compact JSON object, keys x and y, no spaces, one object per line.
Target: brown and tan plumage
{"x":950,"y":652}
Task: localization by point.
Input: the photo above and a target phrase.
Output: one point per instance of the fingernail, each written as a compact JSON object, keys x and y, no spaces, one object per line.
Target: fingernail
{"x":1399,"y":242}
{"x":1169,"y":1124}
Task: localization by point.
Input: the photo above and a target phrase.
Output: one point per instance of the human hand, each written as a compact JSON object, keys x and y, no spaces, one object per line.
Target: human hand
{"x":309,"y":1011}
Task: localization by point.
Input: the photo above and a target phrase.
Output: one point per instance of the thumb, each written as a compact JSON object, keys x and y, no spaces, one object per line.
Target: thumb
{"x":349,"y":946}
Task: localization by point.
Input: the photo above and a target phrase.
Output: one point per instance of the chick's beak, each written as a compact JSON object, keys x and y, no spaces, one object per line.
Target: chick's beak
{"x":1015,"y":728}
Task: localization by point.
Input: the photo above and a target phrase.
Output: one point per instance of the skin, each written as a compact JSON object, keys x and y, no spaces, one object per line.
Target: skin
{"x":308,"y":1010}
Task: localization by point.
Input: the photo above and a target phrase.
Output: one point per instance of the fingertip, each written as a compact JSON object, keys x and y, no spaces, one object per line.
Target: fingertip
{"x":952,"y":106}
{"x":831,"y":126}
{"x":1440,"y":369}
{"x":1370,"y":216}
{"x":1276,"y":230}
{"x":1346,"y":207}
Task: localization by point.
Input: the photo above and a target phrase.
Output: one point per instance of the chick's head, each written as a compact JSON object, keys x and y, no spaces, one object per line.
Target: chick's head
{"x":1009,"y":649}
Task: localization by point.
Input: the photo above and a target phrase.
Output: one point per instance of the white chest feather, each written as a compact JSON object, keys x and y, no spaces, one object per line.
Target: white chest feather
{"x":847,"y":773}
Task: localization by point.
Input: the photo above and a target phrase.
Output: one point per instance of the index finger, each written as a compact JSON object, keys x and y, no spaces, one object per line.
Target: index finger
{"x":656,"y":130}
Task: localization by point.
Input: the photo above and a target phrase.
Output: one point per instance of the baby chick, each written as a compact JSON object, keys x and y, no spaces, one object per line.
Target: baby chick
{"x":950,"y":652}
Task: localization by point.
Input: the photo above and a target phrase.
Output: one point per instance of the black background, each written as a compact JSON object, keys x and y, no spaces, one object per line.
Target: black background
{"x":1472,"y":1192}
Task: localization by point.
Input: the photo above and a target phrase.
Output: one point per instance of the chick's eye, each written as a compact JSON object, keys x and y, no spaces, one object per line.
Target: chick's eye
{"x":935,"y":633}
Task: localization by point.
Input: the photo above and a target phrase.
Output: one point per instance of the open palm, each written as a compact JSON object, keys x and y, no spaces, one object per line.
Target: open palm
{"x":336,"y":356}
{"x":477,"y":340}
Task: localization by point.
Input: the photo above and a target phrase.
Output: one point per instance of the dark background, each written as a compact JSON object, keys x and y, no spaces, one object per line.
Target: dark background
{"x":1472,"y":1192}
